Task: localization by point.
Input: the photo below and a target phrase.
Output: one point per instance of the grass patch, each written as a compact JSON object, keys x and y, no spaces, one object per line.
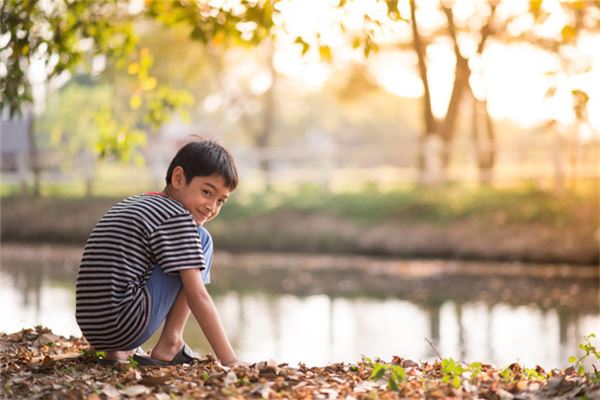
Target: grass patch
{"x":524,"y":204}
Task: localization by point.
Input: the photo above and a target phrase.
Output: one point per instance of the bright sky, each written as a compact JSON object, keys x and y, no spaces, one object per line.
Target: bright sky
{"x":513,"y":77}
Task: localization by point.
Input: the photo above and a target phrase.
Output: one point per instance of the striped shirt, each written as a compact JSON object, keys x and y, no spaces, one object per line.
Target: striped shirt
{"x":112,"y":303}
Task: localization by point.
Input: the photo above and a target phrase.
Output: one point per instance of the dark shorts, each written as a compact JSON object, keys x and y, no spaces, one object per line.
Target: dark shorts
{"x":163,"y":290}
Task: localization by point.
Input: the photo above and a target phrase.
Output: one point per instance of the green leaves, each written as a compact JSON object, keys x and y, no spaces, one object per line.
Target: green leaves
{"x":452,"y":371}
{"x":572,"y":359}
{"x":249,"y":23}
{"x":393,"y":12}
{"x":589,"y":352}
{"x":395,"y":374}
{"x":117,"y":139}
{"x":62,"y":33}
{"x":305,"y":46}
{"x":56,"y":33}
{"x":325,"y":53}
{"x":156,"y":102}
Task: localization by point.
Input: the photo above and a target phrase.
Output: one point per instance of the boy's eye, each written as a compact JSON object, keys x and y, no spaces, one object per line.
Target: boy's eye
{"x":207,"y":193}
{"x":221,"y":202}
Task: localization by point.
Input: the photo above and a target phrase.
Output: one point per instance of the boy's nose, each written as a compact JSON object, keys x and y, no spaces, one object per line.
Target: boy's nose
{"x":211,"y":205}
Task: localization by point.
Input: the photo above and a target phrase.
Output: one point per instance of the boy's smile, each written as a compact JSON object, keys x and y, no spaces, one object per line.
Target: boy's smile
{"x":203,"y":197}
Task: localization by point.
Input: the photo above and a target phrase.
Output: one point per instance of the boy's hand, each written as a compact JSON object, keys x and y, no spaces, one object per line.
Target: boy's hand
{"x":203,"y":308}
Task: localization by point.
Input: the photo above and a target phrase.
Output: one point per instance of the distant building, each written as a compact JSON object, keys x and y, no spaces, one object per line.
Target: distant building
{"x":14,"y":143}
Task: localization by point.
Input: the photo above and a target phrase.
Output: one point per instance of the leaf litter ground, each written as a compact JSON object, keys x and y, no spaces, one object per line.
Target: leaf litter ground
{"x":36,"y":364}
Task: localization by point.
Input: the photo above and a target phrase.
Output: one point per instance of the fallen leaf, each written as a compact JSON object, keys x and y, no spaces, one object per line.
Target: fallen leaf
{"x":45,"y":339}
{"x":521,"y":386}
{"x":331,"y":393}
{"x":154,"y":380}
{"x":133,"y":375}
{"x":438,"y":394}
{"x":135,"y":390}
{"x":111,"y":392}
{"x":365,"y":386}
{"x":47,"y":364}
{"x":504,"y":395}
{"x":230,"y":378}
{"x":264,"y":390}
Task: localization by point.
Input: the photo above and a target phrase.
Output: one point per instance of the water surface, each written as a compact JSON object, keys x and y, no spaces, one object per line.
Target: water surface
{"x":321,"y":309}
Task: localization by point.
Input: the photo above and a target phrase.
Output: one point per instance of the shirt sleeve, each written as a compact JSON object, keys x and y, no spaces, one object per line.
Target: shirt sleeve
{"x":207,"y":247}
{"x":176,"y":245}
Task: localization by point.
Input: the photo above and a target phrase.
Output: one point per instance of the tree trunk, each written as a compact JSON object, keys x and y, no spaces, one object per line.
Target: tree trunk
{"x":484,"y":141}
{"x":426,"y":158}
{"x":462,"y":73}
{"x":88,"y":171}
{"x":558,"y":158}
{"x":574,"y":154}
{"x":263,"y":138}
{"x":34,"y":161}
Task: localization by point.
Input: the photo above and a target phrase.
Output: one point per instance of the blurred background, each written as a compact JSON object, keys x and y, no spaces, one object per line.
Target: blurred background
{"x":409,"y":169}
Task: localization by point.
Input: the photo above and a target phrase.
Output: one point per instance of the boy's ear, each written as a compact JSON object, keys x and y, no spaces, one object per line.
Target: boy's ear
{"x":178,"y":177}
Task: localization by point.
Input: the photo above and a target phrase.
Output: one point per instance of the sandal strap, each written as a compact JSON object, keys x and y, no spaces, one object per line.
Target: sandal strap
{"x":185,"y":356}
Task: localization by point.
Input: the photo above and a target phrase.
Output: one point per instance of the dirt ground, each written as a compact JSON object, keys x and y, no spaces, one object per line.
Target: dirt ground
{"x":36,"y":364}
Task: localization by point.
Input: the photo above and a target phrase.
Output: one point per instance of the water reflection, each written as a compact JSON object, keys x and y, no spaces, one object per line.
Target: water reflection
{"x":272,"y":309}
{"x":321,"y":329}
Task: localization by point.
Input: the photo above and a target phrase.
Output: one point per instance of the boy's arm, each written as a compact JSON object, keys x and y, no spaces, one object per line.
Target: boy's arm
{"x":203,"y":308}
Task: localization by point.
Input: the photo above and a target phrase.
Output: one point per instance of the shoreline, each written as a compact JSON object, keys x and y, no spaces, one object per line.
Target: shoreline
{"x":409,"y":268}
{"x":289,"y":230}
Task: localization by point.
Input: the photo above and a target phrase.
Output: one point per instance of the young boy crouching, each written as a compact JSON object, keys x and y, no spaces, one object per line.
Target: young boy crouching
{"x":147,"y":260}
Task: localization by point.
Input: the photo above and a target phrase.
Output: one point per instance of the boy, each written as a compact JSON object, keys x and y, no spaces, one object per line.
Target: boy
{"x":147,"y":261}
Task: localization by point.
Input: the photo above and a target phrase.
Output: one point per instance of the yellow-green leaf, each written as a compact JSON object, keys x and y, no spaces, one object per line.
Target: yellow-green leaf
{"x":305,"y":46}
{"x":568,"y":33}
{"x":149,"y":84}
{"x":325,"y":53}
{"x":135,"y":102}
{"x":133,"y":68}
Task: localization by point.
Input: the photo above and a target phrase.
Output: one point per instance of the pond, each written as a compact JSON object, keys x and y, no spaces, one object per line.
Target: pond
{"x":319,"y":309}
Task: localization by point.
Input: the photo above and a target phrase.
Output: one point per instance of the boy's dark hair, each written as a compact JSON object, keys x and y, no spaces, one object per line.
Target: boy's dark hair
{"x":203,"y":158}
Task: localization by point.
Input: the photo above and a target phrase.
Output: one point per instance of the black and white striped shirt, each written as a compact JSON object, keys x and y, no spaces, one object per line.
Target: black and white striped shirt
{"x":112,"y":305}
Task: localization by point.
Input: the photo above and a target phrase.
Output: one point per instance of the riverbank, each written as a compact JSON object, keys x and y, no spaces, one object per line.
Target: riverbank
{"x":38,"y":364}
{"x":505,"y":225}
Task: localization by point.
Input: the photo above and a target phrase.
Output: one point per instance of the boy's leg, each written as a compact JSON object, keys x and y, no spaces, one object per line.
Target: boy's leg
{"x":163,"y":290}
{"x":171,"y":337}
{"x":168,"y":303}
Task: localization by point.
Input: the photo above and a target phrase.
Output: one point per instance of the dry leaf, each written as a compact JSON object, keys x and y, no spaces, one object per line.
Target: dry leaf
{"x":154,"y":380}
{"x":135,"y":390}
{"x":230,"y":378}
{"x":111,"y":392}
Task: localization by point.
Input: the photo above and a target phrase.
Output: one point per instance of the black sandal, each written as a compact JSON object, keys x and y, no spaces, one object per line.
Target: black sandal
{"x":185,"y":356}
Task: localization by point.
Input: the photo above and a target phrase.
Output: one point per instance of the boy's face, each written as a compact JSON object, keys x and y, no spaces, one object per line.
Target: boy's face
{"x":203,"y":197}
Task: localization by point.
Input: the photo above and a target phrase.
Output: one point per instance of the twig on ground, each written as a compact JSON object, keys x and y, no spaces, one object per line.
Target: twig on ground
{"x":434,"y":349}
